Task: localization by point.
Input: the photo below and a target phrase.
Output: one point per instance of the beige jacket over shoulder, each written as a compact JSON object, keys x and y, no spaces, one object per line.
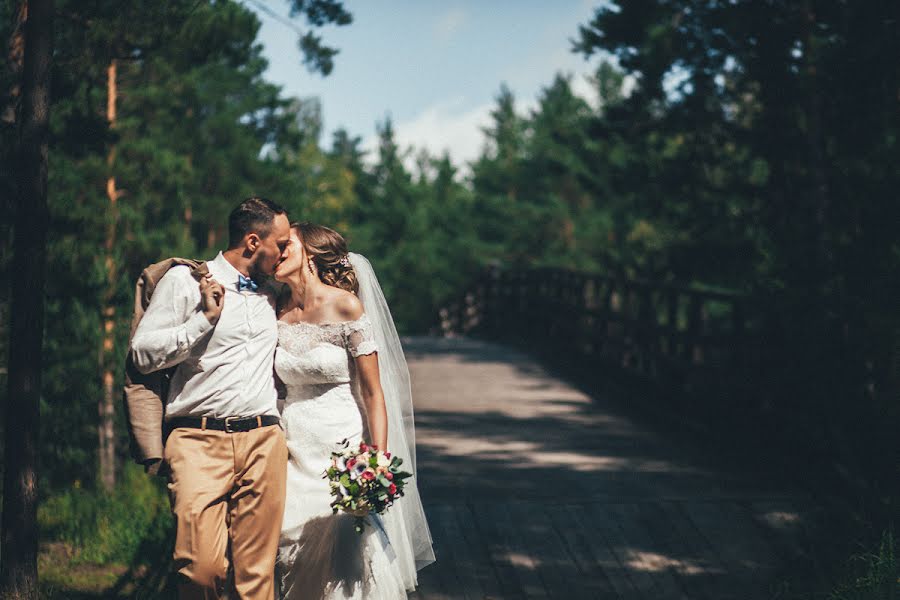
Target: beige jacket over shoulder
{"x":144,"y":395}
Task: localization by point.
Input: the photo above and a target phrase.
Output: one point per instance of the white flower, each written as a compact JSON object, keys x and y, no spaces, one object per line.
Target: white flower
{"x":383,"y":461}
{"x":341,"y":464}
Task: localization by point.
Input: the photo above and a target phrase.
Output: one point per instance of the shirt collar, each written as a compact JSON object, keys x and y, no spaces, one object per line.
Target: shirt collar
{"x":224,"y":272}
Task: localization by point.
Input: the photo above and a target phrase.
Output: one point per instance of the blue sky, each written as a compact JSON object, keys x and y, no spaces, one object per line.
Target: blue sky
{"x":434,"y":67}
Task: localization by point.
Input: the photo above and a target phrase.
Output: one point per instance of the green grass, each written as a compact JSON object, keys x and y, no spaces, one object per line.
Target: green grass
{"x":93,"y":541}
{"x":872,"y":575}
{"x":105,"y":527}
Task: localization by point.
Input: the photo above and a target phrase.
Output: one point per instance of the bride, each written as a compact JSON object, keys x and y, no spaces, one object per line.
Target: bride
{"x":344,"y":377}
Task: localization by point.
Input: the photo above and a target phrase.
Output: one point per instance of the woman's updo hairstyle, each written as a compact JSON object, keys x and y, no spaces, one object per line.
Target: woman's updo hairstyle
{"x":328,"y":250}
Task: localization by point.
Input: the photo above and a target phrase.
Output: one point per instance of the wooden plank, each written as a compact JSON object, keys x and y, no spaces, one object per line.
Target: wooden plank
{"x":784,"y":523}
{"x":627,"y":549}
{"x":517,"y":553}
{"x":740,"y":555}
{"x":688,"y":565}
{"x":429,"y":586}
{"x":606,"y":524}
{"x":498,"y":551}
{"x":751,"y":536}
{"x":774,"y":557}
{"x":713,"y":574}
{"x":593,"y":579}
{"x":602,"y":553}
{"x":648,"y":554}
{"x":466,"y":584}
{"x":443,"y":575}
{"x":555,"y":566}
{"x":477,"y":546}
{"x":810,"y":532}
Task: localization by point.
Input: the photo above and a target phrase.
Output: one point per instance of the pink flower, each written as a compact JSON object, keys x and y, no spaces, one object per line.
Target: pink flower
{"x":387,"y":454}
{"x":369,"y":476}
{"x":350,"y":463}
{"x":389,"y":476}
{"x":363,"y":447}
{"x":393,"y":489}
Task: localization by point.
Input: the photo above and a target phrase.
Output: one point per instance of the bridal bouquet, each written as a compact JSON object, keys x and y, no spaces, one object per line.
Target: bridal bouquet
{"x":364,"y":480}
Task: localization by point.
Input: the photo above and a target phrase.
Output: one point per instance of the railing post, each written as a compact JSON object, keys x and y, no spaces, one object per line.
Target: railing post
{"x":738,"y":328}
{"x":646,"y":331}
{"x":692,"y":343}
{"x":672,"y":322}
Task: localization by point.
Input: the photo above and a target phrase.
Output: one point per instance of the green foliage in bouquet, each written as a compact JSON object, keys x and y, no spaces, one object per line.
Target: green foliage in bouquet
{"x":364,"y":480}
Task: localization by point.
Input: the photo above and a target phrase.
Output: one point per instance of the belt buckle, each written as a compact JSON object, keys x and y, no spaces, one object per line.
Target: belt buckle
{"x":228,"y":421}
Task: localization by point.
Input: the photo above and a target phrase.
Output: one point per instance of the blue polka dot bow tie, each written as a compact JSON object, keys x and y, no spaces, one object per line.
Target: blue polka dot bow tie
{"x":245,"y":283}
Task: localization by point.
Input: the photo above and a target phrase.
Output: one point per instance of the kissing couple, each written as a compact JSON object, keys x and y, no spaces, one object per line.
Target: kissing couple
{"x":244,"y":374}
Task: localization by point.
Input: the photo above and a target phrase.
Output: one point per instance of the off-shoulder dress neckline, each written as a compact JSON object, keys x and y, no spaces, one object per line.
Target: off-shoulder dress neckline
{"x":323,"y":324}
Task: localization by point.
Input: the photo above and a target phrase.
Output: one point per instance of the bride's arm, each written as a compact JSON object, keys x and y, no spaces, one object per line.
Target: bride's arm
{"x":373,"y":396}
{"x":360,"y":342}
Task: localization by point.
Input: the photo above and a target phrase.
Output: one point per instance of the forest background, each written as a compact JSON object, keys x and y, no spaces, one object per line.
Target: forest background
{"x":768,"y":168}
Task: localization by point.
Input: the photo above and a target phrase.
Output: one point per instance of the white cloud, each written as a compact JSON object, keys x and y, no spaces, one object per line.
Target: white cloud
{"x":447,"y":126}
{"x":444,"y":126}
{"x":449,"y":23}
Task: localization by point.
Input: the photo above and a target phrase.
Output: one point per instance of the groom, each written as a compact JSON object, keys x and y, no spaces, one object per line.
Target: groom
{"x":226,"y":454}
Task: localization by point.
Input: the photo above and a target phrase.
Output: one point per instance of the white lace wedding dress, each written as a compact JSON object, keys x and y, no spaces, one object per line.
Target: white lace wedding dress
{"x":321,"y":556}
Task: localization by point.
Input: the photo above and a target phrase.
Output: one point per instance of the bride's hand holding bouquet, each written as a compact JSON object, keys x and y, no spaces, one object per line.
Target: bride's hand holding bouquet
{"x":364,"y":480}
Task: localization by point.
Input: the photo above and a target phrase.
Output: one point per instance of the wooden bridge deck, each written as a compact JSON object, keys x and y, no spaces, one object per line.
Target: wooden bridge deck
{"x":534,"y":489}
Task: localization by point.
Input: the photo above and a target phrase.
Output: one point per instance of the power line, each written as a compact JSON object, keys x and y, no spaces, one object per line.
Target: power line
{"x":278,"y":17}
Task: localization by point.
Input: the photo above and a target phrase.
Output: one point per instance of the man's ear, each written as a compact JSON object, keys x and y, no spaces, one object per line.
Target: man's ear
{"x":252,"y":242}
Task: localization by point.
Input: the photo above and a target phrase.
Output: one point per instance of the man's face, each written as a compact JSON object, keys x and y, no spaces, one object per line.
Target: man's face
{"x":272,"y":249}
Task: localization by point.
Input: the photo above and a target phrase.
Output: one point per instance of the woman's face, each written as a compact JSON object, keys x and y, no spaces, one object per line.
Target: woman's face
{"x":295,"y":260}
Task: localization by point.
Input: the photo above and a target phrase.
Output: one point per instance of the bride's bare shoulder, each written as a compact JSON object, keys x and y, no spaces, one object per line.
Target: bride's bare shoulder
{"x":347,"y":306}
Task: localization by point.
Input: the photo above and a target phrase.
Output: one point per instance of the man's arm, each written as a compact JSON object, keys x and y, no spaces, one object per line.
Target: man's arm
{"x":170,"y":327}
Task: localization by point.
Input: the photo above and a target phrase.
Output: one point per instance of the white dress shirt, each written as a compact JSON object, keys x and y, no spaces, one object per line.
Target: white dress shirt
{"x":224,"y":370}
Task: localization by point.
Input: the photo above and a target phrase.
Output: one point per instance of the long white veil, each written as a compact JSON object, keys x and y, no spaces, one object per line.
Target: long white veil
{"x":404,"y":522}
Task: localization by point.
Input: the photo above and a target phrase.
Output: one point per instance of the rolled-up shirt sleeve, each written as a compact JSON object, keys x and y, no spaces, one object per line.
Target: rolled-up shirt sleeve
{"x":171,"y":325}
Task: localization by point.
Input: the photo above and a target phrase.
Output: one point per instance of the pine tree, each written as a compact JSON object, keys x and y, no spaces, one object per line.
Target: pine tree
{"x":18,"y":529}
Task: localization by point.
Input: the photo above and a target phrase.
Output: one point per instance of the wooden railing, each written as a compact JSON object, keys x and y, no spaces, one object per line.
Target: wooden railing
{"x":678,"y":336}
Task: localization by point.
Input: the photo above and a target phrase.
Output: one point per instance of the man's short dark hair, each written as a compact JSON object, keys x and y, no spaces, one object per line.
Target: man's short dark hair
{"x":253,"y":215}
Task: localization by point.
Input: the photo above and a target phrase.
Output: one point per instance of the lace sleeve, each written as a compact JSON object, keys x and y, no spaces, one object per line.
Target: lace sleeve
{"x":360,"y":337}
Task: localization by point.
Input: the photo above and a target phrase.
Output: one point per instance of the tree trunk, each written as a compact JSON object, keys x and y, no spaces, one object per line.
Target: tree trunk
{"x":188,"y":221}
{"x":14,"y":64}
{"x":106,"y":431}
{"x":18,"y":528}
{"x":816,"y":143}
{"x":9,"y":118}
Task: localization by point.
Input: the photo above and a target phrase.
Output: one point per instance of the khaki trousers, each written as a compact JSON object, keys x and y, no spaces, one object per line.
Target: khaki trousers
{"x":227,"y":492}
